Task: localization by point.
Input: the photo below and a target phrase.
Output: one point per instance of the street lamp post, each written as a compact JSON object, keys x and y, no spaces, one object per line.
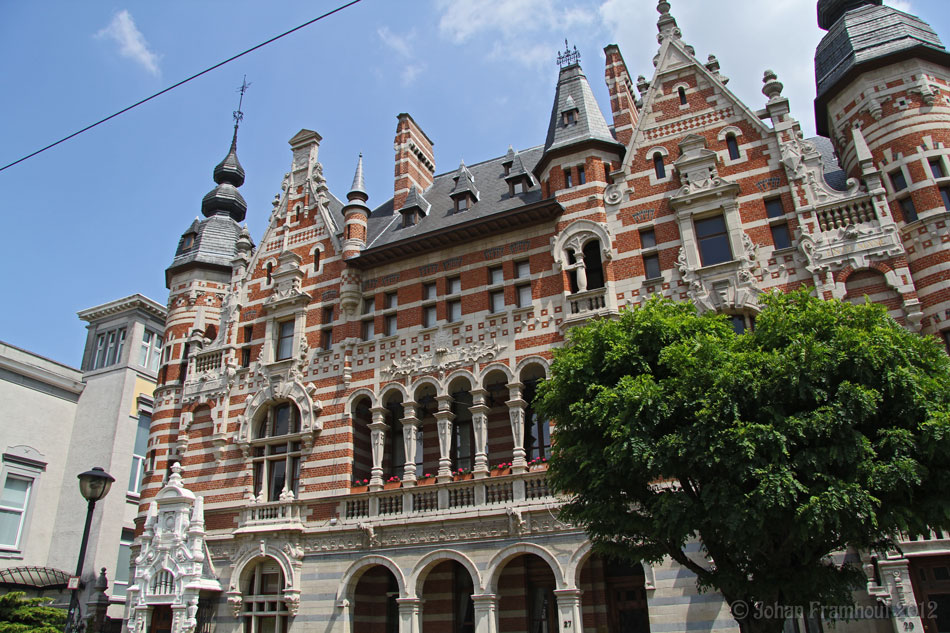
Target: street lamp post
{"x":94,"y":485}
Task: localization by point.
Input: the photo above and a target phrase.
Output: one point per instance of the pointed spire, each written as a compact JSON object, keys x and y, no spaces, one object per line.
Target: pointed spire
{"x":358,"y":185}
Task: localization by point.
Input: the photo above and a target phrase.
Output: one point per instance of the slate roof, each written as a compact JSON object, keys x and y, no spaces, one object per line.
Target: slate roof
{"x":214,"y":244}
{"x":573,"y":92}
{"x":836,"y":177}
{"x":384,"y":225}
{"x":867,"y":34}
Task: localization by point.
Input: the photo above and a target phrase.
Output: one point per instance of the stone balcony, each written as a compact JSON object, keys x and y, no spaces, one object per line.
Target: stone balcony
{"x":273,"y":516}
{"x":492,"y":493}
{"x":934,"y":542}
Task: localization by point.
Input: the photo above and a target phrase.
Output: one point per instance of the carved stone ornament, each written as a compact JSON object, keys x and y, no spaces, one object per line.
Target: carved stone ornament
{"x":444,"y":359}
{"x":282,"y":384}
{"x":851,"y":245}
{"x":613,"y":194}
{"x":727,"y":286}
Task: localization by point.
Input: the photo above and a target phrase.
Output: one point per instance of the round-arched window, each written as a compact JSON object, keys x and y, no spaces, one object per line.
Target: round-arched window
{"x":277,"y":452}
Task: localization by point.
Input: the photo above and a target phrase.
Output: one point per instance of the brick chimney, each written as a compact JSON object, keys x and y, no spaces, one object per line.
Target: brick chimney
{"x":622,"y":102}
{"x":415,"y":161}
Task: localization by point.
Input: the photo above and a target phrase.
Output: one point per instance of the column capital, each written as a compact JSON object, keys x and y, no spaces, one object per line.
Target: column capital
{"x":484,"y":598}
{"x":571,"y":592}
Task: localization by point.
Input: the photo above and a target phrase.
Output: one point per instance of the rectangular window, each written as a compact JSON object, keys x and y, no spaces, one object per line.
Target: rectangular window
{"x":651,"y":266}
{"x":522,"y":269}
{"x":139,"y":450}
{"x":647,"y":238}
{"x":453,"y":311}
{"x":909,"y":210}
{"x":369,"y":305}
{"x":326,"y":338}
{"x":936,"y":167}
{"x":945,"y":196}
{"x":121,"y":575}
{"x":780,"y":235}
{"x":898,"y":182}
{"x":581,"y":176}
{"x":248,"y":333}
{"x":285,"y":340}
{"x":109,"y":348}
{"x":100,"y":360}
{"x":713,"y":239}
{"x":774,"y":208}
{"x":391,"y":301}
{"x":151,"y":351}
{"x":246,"y":357}
{"x":13,"y":502}
{"x":429,"y":316}
{"x":453,"y":285}
{"x":524,"y":295}
{"x":428,"y":292}
{"x":369,"y":329}
{"x":497,"y":301}
{"x":461,"y":203}
{"x":496,"y":275}
{"x":946,"y":339}
{"x":568,"y":180}
{"x":390,"y":325}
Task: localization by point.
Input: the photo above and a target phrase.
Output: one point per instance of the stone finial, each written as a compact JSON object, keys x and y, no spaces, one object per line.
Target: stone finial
{"x":642,"y":84}
{"x":773,"y":87}
{"x":666,"y":25}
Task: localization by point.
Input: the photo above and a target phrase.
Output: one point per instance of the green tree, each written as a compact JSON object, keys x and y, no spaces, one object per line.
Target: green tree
{"x":29,"y":615}
{"x":827,"y":427}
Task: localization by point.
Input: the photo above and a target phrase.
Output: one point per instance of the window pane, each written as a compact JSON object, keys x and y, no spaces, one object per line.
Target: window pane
{"x":369,"y":329}
{"x":774,"y":208}
{"x":391,"y":300}
{"x":454,"y":286}
{"x":15,"y":491}
{"x":780,"y":235}
{"x":390,"y":325}
{"x":281,"y":420}
{"x":137,"y":472}
{"x":524,"y":296}
{"x":285,"y":340}
{"x":428,"y":316}
{"x":710,"y":226}
{"x":733,"y":146}
{"x":369,"y":304}
{"x":454,"y":310}
{"x":9,"y":527}
{"x":936,"y":167}
{"x":581,"y":176}
{"x":658,"y":165}
{"x":714,"y":250}
{"x":647,"y":239}
{"x":278,"y":477}
{"x":522,"y":269}
{"x":497,"y":275}
{"x":428,"y":291}
{"x":738,"y":323}
{"x":651,"y":265}
{"x":498,"y":301}
{"x":910,"y":211}
{"x":897,"y":180}
{"x":945,"y":195}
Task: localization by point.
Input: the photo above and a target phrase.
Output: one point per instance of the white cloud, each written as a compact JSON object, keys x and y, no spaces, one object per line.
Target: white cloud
{"x":901,"y":5}
{"x":402,"y":46}
{"x":397,"y":43}
{"x":132,"y":44}
{"x":411,"y":71}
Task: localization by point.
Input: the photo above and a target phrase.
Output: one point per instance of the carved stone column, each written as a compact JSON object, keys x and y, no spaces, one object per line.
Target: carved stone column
{"x":516,"y":409}
{"x":410,"y":615}
{"x":479,"y":412}
{"x":581,"y":270}
{"x":900,"y":597}
{"x":410,"y":429}
{"x":377,"y":430}
{"x":569,"y":610}
{"x":444,"y":417}
{"x":486,"y":613}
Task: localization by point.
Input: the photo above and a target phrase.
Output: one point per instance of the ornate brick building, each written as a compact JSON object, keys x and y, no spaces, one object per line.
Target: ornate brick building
{"x":349,"y":401}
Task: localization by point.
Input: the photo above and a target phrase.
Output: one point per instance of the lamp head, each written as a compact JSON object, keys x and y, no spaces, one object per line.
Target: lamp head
{"x":94,"y":484}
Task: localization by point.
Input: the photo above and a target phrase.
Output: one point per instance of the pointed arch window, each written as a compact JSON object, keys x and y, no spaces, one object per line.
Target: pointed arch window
{"x":277,"y":453}
{"x":658,"y":166}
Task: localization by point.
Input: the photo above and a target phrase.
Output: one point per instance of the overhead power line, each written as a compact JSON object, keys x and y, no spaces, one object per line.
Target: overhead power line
{"x":182,"y":82}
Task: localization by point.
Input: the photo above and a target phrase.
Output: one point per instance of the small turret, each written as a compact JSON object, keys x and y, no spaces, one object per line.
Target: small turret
{"x":355,"y":214}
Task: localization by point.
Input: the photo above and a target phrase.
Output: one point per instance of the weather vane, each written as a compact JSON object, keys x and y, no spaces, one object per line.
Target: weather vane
{"x":238,"y":115}
{"x":568,"y":57}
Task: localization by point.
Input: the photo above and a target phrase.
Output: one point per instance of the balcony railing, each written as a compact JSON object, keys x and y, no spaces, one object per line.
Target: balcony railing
{"x":209,"y":361}
{"x":933,"y":542}
{"x":588,"y":301}
{"x":493,"y":492}
{"x":854,"y":211}
{"x":284,"y":515}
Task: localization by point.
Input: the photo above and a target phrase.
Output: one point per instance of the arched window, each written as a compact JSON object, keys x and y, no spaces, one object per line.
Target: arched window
{"x":682,"y":92}
{"x":733,"y":146}
{"x":396,"y":462}
{"x":316,"y":259}
{"x":658,"y":165}
{"x":362,"y":417}
{"x":264,"y":608}
{"x":270,"y":271}
{"x":463,"y":438}
{"x":276,"y":454}
{"x":594,"y":266}
{"x":537,"y":429}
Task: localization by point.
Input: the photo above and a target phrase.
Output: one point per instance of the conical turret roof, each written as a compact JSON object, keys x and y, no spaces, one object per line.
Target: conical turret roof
{"x":225,"y":198}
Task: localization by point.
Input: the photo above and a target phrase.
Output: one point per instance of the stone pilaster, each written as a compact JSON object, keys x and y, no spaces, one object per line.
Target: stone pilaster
{"x":516,"y":409}
{"x":479,"y":412}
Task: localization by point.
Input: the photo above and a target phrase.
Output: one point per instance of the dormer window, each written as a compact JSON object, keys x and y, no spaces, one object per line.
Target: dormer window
{"x":506,"y":166}
{"x":570,"y":117}
{"x":461,"y":203}
{"x":188,"y":241}
{"x":518,"y":186}
{"x":408,"y":219}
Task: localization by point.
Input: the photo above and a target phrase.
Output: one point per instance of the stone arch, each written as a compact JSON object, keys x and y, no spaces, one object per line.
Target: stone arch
{"x":251,"y":558}
{"x":318,"y":248}
{"x":492,"y":368}
{"x":499,"y":560}
{"x":293,"y":391}
{"x":727,"y":130}
{"x":653,"y":151}
{"x":362,"y":392}
{"x":353,"y":573}
{"x":426,"y":380}
{"x":461,"y":374}
{"x":855,"y":287}
{"x":532,"y":360}
{"x":575,"y":236}
{"x":573,"y":570}
{"x":430,"y":560}
{"x":386,"y":391}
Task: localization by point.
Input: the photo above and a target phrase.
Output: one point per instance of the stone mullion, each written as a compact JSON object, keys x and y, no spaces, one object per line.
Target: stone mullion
{"x":516,"y":412}
{"x":444,"y":417}
{"x":410,"y":429}
{"x":378,"y":442}
{"x":479,"y":412}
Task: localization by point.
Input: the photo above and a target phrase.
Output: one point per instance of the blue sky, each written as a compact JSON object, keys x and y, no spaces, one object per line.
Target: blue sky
{"x":99,"y":217}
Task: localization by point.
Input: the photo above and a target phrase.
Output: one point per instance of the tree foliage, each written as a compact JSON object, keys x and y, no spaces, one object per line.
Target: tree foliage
{"x":29,"y":615}
{"x":827,"y":427}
